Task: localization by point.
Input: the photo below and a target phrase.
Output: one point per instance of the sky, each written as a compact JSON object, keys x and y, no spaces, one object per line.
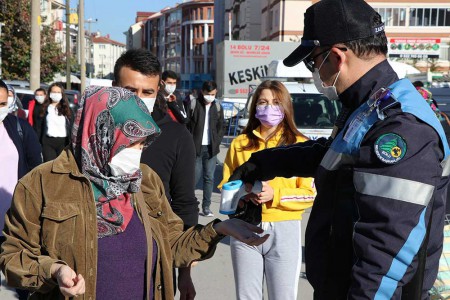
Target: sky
{"x":115,"y":16}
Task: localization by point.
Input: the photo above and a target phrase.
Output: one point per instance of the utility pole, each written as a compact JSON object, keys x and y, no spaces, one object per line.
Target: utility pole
{"x":82,"y":45}
{"x":68,"y":72}
{"x":90,"y":21}
{"x":35,"y":65}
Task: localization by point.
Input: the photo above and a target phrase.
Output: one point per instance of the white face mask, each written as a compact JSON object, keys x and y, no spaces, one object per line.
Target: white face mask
{"x":209,"y":98}
{"x":3,"y":113}
{"x":126,"y":162}
{"x":56,"y":97}
{"x":150,"y":103}
{"x":40,"y":99}
{"x":170,"y":88}
{"x":328,"y":91}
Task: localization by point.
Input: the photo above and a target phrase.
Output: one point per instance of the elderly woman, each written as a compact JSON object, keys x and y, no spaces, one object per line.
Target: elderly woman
{"x":94,"y":222}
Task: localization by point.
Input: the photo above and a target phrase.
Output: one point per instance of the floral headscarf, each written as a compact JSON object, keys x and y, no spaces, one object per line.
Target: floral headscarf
{"x":108,"y":121}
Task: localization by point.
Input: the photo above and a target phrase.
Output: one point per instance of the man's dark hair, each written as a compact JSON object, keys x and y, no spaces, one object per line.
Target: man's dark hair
{"x":40,"y":90}
{"x":140,"y":60}
{"x":3,"y":85}
{"x":209,"y":86}
{"x":418,"y":83}
{"x":373,"y":45}
{"x":169,"y":74}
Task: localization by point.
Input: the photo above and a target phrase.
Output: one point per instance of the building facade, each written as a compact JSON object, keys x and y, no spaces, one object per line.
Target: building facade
{"x":418,"y":31}
{"x":182,"y":39}
{"x":105,"y":54}
{"x":134,"y":35}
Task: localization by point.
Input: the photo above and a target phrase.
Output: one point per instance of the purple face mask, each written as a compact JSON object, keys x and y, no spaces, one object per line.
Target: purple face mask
{"x":269,"y":115}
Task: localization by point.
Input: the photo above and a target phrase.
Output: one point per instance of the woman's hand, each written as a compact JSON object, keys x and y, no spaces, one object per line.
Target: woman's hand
{"x":70,"y":284}
{"x":265,"y":195}
{"x":241,"y":231}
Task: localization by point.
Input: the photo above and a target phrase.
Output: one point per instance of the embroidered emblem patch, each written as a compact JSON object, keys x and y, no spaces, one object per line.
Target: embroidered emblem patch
{"x":390,"y":148}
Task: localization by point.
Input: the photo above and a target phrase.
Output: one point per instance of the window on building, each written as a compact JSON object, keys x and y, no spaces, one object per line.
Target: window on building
{"x":429,"y":17}
{"x":276,"y":19}
{"x":269,"y":21}
{"x":209,"y":31}
{"x":209,"y":13}
{"x":201,"y":13}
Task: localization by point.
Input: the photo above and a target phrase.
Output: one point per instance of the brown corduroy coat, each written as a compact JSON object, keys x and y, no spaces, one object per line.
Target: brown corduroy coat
{"x":53,"y":219}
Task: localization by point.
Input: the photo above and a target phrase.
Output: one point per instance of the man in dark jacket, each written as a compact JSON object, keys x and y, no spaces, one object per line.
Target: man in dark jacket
{"x":175,"y":105}
{"x":206,"y":126}
{"x":172,"y":154}
{"x":375,"y":229}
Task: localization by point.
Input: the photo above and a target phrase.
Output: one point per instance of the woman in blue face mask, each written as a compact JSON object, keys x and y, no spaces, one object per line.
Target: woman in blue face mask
{"x":282,"y":200}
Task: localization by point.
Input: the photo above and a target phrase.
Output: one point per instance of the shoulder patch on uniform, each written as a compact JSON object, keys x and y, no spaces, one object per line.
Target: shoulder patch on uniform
{"x":390,"y":148}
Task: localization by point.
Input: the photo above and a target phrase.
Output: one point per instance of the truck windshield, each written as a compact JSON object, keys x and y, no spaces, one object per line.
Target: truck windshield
{"x":314,"y":111}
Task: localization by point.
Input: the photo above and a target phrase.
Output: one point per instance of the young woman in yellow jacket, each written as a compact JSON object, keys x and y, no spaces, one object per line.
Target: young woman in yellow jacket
{"x":283,"y":200}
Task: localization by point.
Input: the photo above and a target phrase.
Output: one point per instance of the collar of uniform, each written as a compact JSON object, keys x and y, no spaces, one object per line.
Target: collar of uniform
{"x":65,"y":163}
{"x":382,"y":75}
{"x":257,"y":133}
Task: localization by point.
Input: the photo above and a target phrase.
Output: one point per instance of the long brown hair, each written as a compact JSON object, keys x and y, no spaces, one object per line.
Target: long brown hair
{"x":290,"y":131}
{"x":63,"y":105}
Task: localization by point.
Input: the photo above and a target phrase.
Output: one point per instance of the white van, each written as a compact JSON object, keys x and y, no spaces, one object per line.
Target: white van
{"x":314,"y":114}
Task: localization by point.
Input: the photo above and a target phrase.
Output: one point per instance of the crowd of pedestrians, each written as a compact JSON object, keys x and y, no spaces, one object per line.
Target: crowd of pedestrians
{"x":100,"y":203}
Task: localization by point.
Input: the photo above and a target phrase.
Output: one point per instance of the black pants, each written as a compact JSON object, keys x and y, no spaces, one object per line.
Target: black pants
{"x":52,"y":147}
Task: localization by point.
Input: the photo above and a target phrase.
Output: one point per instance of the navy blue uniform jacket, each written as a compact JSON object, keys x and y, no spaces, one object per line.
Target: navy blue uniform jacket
{"x":366,"y":212}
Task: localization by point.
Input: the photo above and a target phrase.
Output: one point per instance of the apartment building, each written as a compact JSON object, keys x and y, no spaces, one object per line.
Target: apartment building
{"x":182,"y":39}
{"x":105,"y":53}
{"x":134,"y":35}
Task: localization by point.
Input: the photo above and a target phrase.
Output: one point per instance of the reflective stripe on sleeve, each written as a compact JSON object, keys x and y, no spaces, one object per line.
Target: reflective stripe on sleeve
{"x":402,"y":260}
{"x":333,"y":160}
{"x":394,"y":188}
{"x":445,"y":167}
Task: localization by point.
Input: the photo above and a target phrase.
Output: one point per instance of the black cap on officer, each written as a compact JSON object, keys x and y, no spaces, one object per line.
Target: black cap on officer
{"x":329,"y":22}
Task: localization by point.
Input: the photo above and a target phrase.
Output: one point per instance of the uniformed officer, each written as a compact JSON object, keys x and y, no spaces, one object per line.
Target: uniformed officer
{"x":382,"y":176}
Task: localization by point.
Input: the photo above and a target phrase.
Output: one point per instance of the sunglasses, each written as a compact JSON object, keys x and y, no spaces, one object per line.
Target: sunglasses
{"x":309,"y":62}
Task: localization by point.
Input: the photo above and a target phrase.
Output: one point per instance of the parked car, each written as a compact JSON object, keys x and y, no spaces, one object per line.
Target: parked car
{"x":73,"y":96}
{"x":23,"y":84}
{"x":314,"y":114}
{"x":25,"y":96}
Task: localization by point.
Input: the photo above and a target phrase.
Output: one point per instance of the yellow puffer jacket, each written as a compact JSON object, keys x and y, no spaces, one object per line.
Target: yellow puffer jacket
{"x":291,"y":195}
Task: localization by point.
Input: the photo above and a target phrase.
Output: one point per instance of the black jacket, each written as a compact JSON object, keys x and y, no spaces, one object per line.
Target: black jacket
{"x":177,"y":109}
{"x":28,"y":147}
{"x":216,"y":126}
{"x":172,"y":157}
{"x":368,"y":213}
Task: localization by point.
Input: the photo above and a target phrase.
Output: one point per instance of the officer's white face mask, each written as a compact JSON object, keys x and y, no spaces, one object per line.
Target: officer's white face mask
{"x":126,"y":162}
{"x":328,"y":91}
{"x":150,"y":103}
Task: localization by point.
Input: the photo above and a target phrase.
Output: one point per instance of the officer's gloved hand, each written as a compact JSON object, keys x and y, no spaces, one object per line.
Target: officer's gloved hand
{"x":248,"y":172}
